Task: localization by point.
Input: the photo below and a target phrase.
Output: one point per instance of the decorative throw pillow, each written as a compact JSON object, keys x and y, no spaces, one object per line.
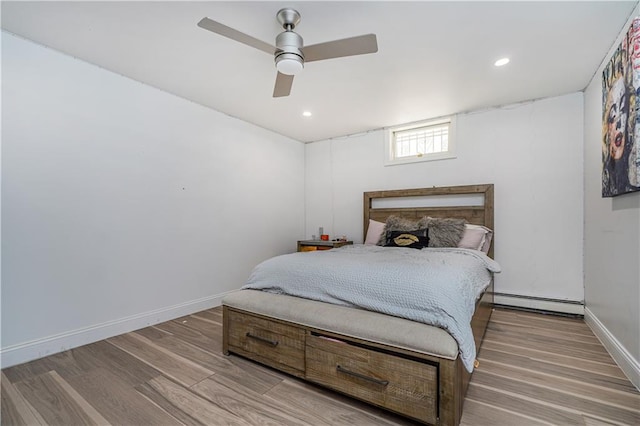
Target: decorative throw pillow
{"x":445,"y":232}
{"x":397,"y":223}
{"x":412,"y":239}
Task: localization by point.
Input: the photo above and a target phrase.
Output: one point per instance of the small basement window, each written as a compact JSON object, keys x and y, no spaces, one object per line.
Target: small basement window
{"x":423,"y":141}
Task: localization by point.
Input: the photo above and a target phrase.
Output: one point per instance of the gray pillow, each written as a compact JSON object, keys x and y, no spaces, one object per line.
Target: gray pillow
{"x":445,"y":232}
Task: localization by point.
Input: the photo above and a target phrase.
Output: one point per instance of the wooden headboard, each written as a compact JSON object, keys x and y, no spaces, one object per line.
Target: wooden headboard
{"x":480,"y":213}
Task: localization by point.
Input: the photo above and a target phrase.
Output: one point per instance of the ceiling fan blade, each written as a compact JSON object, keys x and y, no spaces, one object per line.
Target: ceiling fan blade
{"x":283,"y":85}
{"x":358,"y":45}
{"x":223,"y":30}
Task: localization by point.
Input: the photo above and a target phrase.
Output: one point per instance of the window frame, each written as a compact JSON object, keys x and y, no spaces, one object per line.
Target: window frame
{"x":389,"y":142}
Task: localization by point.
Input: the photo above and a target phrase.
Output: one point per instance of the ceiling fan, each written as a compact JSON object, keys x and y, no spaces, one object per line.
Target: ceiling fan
{"x":289,"y":52}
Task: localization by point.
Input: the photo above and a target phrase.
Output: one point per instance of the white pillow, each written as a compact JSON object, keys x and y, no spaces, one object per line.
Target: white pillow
{"x":374,"y":231}
{"x":476,"y":237}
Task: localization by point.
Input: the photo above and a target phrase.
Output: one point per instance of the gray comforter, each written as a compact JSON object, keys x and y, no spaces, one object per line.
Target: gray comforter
{"x":436,"y":286}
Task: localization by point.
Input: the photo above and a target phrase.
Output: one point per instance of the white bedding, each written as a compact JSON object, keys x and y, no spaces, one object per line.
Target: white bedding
{"x":436,"y":286}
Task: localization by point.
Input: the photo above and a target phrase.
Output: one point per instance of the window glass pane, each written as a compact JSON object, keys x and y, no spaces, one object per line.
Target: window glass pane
{"x":423,"y":140}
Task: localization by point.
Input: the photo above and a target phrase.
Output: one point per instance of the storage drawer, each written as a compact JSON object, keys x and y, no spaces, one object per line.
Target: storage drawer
{"x":398,"y":384}
{"x":269,"y":342}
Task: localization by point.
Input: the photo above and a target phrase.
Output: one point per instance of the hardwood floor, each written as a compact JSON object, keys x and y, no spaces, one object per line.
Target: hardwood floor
{"x":534,"y":370}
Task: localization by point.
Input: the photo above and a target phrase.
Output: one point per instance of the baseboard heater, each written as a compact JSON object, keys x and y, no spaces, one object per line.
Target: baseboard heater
{"x":539,"y":304}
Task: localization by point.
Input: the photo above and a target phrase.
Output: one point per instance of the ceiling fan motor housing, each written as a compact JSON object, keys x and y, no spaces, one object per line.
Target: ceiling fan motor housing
{"x":289,"y":42}
{"x":289,"y":47}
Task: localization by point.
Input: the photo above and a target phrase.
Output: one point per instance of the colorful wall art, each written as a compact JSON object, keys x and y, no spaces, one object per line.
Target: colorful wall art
{"x":621,"y":117}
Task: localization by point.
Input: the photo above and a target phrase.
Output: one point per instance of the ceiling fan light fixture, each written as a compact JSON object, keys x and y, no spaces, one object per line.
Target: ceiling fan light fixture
{"x":289,"y":63}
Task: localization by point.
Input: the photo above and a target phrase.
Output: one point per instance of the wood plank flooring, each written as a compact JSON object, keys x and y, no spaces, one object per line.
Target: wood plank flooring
{"x":534,"y":370}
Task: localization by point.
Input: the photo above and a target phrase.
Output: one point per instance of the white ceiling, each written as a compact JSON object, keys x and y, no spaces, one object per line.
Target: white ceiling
{"x":434,"y":58}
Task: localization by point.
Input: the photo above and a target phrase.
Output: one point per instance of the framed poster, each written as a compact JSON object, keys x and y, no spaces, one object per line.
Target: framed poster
{"x":621,"y":117}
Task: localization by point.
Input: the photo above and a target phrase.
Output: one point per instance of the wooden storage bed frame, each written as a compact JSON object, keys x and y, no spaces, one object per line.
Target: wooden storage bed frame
{"x":427,"y":387}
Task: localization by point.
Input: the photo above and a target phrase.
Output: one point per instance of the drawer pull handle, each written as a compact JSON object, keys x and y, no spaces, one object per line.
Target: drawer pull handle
{"x":340,"y":369}
{"x":262,"y":339}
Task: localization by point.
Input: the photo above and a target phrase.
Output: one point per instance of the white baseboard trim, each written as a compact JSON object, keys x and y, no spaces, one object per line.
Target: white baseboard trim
{"x":24,"y":352}
{"x":629,"y":365}
{"x":544,"y":304}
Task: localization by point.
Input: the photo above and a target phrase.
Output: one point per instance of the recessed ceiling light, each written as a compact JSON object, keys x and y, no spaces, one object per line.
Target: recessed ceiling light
{"x":501,"y":62}
{"x":306,"y":113}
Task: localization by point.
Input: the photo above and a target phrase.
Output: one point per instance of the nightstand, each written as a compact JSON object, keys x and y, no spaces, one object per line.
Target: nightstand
{"x":313,"y":245}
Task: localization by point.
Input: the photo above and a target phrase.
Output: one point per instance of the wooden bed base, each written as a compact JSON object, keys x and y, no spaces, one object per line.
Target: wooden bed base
{"x":420,"y":386}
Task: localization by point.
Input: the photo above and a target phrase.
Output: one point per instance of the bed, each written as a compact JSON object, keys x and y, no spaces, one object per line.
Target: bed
{"x":402,"y":365}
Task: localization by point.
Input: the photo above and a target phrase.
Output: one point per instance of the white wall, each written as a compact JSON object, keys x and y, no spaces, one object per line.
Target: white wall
{"x":123,"y":205}
{"x":611,"y":246}
{"x":531,"y":152}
